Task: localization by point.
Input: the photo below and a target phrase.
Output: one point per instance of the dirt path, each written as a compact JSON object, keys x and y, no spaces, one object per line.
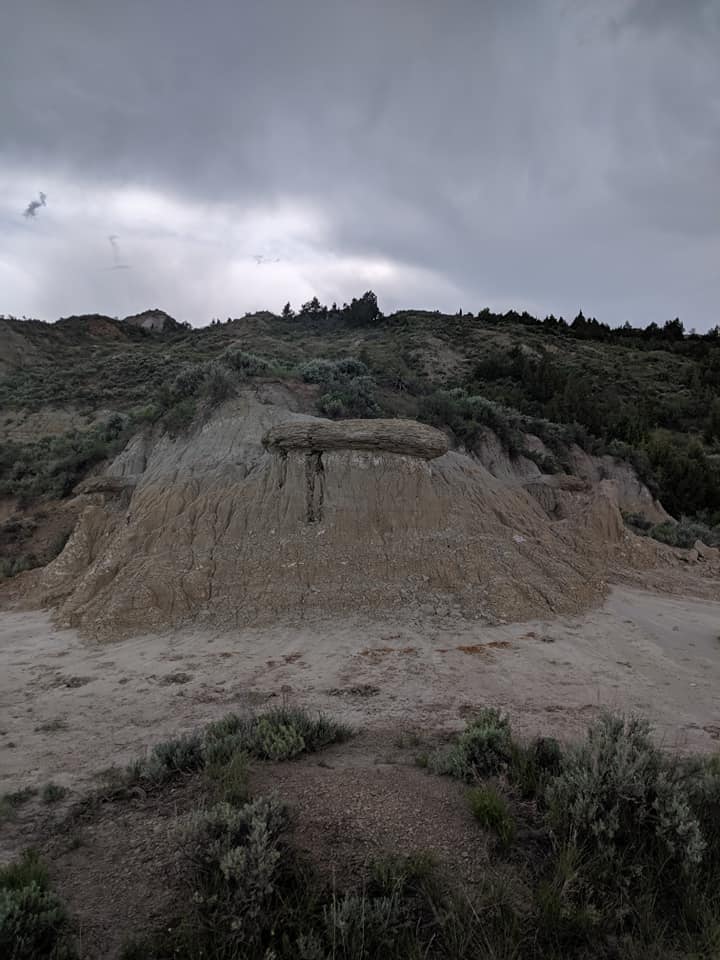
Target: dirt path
{"x":69,"y":709}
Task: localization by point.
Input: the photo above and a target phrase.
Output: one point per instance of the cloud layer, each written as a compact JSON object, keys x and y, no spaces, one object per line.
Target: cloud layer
{"x":544,"y":156}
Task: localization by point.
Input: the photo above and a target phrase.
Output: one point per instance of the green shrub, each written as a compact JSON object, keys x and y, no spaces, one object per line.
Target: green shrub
{"x":467,"y":415}
{"x":33,"y":921}
{"x":235,"y":855}
{"x":218,"y":383}
{"x":279,"y":734}
{"x":491,"y":810}
{"x":179,"y":417}
{"x":52,"y":792}
{"x":275,"y":735}
{"x":684,"y":533}
{"x":188,"y":382}
{"x":26,"y":871}
{"x":275,"y":739}
{"x":349,"y":391}
{"x":148,"y":413}
{"x":246,"y":364}
{"x":223,"y":738}
{"x":626,"y":808}
{"x":330,"y":371}
{"x":704,"y":796}
{"x":353,"y":398}
{"x":52,"y":466}
{"x":173,"y":757}
{"x":11,"y":568}
{"x":168,"y":760}
{"x":484,"y":748}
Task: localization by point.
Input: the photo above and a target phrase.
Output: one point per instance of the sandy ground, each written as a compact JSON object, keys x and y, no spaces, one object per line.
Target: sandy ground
{"x":69,"y":708}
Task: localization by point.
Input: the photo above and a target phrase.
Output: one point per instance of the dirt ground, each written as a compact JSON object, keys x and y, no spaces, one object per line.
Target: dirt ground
{"x":70,"y":708}
{"x":351,"y":803}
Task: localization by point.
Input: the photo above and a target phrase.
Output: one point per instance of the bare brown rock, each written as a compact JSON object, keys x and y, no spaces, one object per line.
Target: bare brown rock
{"x":393,"y":436}
{"x":261,"y":514}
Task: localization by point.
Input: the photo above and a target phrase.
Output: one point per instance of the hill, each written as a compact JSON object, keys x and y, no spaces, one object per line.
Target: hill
{"x":531,"y":401}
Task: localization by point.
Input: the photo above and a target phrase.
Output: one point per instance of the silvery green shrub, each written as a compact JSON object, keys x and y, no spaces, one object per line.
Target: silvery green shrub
{"x":625,"y":806}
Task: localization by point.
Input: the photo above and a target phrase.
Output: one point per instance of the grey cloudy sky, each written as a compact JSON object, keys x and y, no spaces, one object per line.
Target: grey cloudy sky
{"x":546,"y":155}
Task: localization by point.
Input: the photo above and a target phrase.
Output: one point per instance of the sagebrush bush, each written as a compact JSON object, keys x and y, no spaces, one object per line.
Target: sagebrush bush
{"x":611,"y":868}
{"x":626,"y":808}
{"x":484,"y":748}
{"x":218,"y":383}
{"x":349,"y":390}
{"x":704,"y":796}
{"x":278,"y":734}
{"x":53,"y":465}
{"x":329,"y":371}
{"x":12,"y":567}
{"x":169,"y":759}
{"x":246,"y":364}
{"x":179,"y":417}
{"x":12,"y":801}
{"x":275,"y":739}
{"x":34,"y":924}
{"x":235,"y":854}
{"x":353,"y":398}
{"x":187,"y":382}
{"x":685,"y":533}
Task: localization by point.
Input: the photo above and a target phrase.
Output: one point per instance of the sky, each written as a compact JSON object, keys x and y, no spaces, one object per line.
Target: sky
{"x":545,"y":156}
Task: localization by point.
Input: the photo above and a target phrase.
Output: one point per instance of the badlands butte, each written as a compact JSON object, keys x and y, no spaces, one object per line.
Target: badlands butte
{"x":226,"y":547}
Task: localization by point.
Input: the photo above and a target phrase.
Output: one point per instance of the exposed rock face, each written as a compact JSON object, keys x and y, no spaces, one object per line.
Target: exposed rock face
{"x":494,"y":457}
{"x":632,"y":495}
{"x":156,"y":320}
{"x":225,"y":529}
{"x":391,"y":436}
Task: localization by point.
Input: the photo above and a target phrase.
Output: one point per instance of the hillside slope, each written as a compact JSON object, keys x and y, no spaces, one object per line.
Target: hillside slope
{"x":146,"y":450}
{"x":651,"y":397}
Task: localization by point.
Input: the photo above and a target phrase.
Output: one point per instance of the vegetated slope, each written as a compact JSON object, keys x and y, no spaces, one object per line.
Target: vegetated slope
{"x":651,"y":396}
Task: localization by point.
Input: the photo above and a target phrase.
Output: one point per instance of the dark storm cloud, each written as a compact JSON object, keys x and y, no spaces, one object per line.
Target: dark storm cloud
{"x":550,"y":155}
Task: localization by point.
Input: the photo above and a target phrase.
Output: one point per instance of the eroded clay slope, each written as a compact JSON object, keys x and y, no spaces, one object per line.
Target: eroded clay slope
{"x":226,"y":528}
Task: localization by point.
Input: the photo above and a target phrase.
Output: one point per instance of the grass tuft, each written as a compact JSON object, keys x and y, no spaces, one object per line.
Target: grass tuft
{"x":491,"y":810}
